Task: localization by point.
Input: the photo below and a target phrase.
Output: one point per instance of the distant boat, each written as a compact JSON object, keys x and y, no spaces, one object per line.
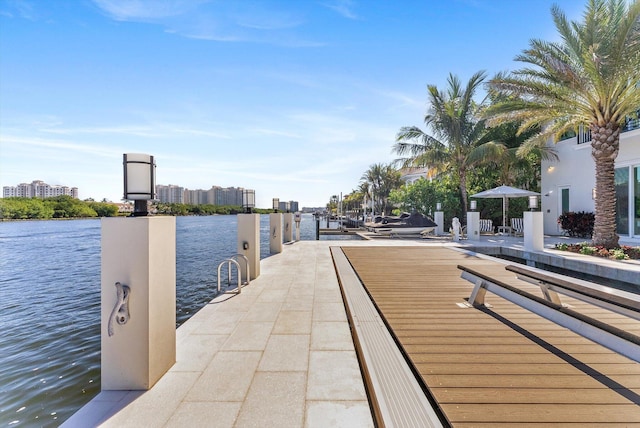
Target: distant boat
{"x":404,"y":224}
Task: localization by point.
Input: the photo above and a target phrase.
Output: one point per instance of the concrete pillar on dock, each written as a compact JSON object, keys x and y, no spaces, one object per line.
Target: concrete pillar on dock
{"x":438,"y":218}
{"x":297,"y":217}
{"x":473,"y":225}
{"x":533,"y":231}
{"x":138,"y":316}
{"x":275,"y":233}
{"x":249,"y":242}
{"x":288,"y":227}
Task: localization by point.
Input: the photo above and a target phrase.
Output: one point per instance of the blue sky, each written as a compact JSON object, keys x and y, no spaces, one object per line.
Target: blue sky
{"x":293,"y":98}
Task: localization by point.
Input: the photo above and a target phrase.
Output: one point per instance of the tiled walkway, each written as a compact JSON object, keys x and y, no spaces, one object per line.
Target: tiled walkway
{"x":279,"y":354}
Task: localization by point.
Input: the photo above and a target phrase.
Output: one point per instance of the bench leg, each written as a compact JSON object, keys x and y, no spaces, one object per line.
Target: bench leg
{"x":478,"y":293}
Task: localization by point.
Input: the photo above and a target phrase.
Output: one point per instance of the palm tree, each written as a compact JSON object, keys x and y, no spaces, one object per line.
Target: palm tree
{"x":589,"y":78}
{"x":382,"y":180}
{"x":453,"y":118}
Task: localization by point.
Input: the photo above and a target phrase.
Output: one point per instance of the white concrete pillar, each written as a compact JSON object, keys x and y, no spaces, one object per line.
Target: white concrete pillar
{"x":439,"y":220}
{"x":473,"y":225}
{"x":249,"y":242}
{"x":288,"y":227}
{"x":297,"y":218}
{"x":533,"y":231}
{"x":139,"y":252}
{"x":275,"y":233}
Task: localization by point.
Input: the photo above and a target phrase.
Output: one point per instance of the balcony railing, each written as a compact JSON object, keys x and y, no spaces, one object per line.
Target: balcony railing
{"x":584,"y":134}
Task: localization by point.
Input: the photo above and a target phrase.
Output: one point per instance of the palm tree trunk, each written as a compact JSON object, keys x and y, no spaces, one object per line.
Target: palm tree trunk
{"x":463,"y":194}
{"x":605,"y":142}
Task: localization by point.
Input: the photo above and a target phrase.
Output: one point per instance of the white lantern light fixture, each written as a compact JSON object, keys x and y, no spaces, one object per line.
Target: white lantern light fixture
{"x":248,"y":200}
{"x":139,"y":181}
{"x":438,"y":206}
{"x":275,"y":204}
{"x":533,"y":202}
{"x":474,"y":205}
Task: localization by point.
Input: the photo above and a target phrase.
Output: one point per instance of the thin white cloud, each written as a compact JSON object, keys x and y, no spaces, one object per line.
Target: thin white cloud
{"x":150,"y":131}
{"x":342,"y":7}
{"x":146,"y":10}
{"x":18,"y":9}
{"x":246,"y":21}
{"x":67,"y":146}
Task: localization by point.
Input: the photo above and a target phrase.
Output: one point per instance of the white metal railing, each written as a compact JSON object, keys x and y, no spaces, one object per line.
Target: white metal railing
{"x":233,"y":260}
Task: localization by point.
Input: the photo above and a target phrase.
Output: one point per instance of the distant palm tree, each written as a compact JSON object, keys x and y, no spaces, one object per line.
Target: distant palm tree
{"x":453,"y":118}
{"x":590,"y":78}
{"x":382,"y":180}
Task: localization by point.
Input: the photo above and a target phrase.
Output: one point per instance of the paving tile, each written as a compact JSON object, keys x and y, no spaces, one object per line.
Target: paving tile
{"x":330,"y":295}
{"x":323,"y":311}
{"x":205,"y":414}
{"x":275,"y":399}
{"x":286,"y":353}
{"x":273,"y":295}
{"x":334,"y":375}
{"x":196,"y":351}
{"x":220,"y":323}
{"x":249,"y":336}
{"x":338,"y":414}
{"x":331,"y":336}
{"x":301,"y":289}
{"x":236,"y":302}
{"x":298,"y":303}
{"x":263,"y":311}
{"x":227,"y":378}
{"x":293,"y":322}
{"x":155,"y":407}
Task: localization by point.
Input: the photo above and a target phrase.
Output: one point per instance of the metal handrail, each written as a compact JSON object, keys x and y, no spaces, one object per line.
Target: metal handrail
{"x":246,"y":265}
{"x":229,"y":261}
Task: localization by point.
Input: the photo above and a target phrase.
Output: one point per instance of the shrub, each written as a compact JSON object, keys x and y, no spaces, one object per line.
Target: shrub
{"x":579,"y":224}
{"x":625,"y":252}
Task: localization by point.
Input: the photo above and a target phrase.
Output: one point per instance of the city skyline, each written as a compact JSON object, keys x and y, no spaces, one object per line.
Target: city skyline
{"x":293,"y":99}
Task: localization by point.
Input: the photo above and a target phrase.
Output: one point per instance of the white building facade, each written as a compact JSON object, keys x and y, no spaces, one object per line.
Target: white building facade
{"x":170,"y":194}
{"x":38,"y":189}
{"x":568,"y":184}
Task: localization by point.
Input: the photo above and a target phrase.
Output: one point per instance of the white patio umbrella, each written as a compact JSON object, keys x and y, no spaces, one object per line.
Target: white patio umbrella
{"x":504,"y":192}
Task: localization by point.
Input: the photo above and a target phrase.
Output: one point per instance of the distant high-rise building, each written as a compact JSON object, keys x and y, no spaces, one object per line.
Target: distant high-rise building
{"x":288,"y":206}
{"x":215,"y":196}
{"x":170,"y":194}
{"x":38,"y":189}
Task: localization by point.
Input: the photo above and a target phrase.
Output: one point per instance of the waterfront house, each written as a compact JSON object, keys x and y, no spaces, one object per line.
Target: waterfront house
{"x":568,"y":184}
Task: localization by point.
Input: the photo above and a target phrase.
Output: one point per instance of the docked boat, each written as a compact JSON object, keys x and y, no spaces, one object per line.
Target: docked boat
{"x":404,"y":224}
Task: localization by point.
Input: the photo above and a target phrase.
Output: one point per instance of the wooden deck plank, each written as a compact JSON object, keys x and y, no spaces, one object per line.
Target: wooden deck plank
{"x":503,"y":365}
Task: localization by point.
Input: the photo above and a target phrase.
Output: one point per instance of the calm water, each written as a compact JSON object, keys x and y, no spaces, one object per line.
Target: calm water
{"x":50,"y":306}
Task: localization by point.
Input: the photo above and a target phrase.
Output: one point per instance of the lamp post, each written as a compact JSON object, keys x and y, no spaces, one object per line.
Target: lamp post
{"x":248,"y":237}
{"x":139,"y":181}
{"x":533,"y":203}
{"x":275,"y":204}
{"x":473,"y":222}
{"x":438,"y":217}
{"x":248,"y":200}
{"x":138,"y":257}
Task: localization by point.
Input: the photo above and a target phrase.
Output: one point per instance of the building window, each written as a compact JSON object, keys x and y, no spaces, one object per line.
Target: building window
{"x":564,"y":195}
{"x":636,"y":201}
{"x":622,"y":200}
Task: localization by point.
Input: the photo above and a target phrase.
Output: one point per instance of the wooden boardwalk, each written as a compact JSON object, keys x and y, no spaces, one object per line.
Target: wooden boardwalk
{"x":501,"y":366}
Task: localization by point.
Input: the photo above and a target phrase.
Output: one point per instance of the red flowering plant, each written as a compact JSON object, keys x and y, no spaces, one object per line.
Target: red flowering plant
{"x":624,"y":252}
